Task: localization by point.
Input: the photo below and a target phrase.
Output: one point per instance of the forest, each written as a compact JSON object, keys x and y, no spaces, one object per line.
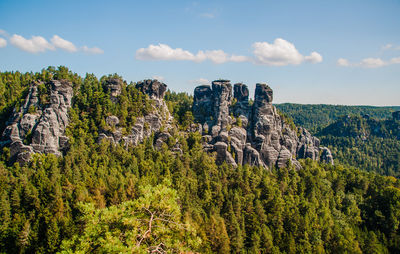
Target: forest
{"x":101,"y":197}
{"x":365,"y":137}
{"x":315,"y":117}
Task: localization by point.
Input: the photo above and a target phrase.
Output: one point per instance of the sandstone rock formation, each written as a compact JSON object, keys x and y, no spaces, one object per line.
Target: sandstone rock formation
{"x":113,"y":87}
{"x":257,"y":135}
{"x":146,"y":125}
{"x":239,"y":133}
{"x":39,"y":129}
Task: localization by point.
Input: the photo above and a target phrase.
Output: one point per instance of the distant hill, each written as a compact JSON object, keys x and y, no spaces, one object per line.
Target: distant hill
{"x":364,"y":142}
{"x":315,"y":117}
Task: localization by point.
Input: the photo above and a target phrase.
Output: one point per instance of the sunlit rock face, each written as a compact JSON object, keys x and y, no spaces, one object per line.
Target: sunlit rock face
{"x":256,"y":134}
{"x":39,"y":128}
{"x":146,"y":125}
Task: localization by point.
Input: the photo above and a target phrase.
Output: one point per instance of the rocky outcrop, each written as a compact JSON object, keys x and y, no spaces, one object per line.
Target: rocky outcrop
{"x":257,"y":135}
{"x":39,"y":129}
{"x":202,"y":103}
{"x":241,"y":108}
{"x":113,"y":86}
{"x":153,"y":88}
{"x":146,"y":125}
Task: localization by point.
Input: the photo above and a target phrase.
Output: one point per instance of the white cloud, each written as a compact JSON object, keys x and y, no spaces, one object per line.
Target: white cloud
{"x":238,"y":59}
{"x":280,"y":53}
{"x":59,"y":42}
{"x":372,"y":63}
{"x":207,"y":15}
{"x":34,"y":45}
{"x":201,"y":81}
{"x":92,"y":51}
{"x":38,"y":44}
{"x":217,"y":56}
{"x":165,"y":52}
{"x":314,"y":57}
{"x":369,"y":62}
{"x":390,"y":47}
{"x":387,"y":46}
{"x":3,"y":43}
{"x":395,"y":60}
{"x":343,"y":62}
{"x":159,"y":78}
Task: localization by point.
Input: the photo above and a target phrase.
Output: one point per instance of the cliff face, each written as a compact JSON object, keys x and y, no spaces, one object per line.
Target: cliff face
{"x":238,"y":132}
{"x":145,"y":125}
{"x":39,"y":129}
{"x":255,"y":135}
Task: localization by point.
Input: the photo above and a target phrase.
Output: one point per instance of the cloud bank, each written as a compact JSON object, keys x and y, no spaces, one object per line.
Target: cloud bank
{"x":165,"y":52}
{"x":278,"y":53}
{"x":201,"y":81}
{"x":3,"y":43}
{"x":368,"y":62}
{"x":59,"y":42}
{"x":38,"y":44}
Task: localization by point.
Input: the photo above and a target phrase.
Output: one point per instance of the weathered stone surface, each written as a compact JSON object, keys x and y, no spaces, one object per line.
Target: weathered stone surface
{"x":223,"y":137}
{"x":221,"y":149}
{"x":261,"y":137}
{"x":150,"y":123}
{"x":202,"y":103}
{"x":269,"y":155}
{"x":112,"y":121}
{"x":242,"y":108}
{"x":326,"y":155}
{"x":113,"y":86}
{"x":284,"y":157}
{"x":222,"y":154}
{"x":153,"y":88}
{"x":252,"y":157}
{"x":222,"y":96}
{"x":42,"y":130}
{"x":239,"y":134}
{"x":241,"y":92}
{"x":263,"y":94}
{"x":215,"y":130}
{"x":161,"y":139}
{"x":195,"y":128}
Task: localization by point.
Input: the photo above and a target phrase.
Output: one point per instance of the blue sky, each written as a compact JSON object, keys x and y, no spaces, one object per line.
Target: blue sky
{"x":333,"y":52}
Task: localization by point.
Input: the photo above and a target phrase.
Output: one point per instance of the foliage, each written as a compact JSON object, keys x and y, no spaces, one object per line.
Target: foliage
{"x":369,"y":144}
{"x":101,"y":197}
{"x":180,"y":106}
{"x":315,"y":117}
{"x":150,"y":223}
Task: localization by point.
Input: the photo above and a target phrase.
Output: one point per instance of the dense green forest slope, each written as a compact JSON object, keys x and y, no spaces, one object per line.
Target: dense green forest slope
{"x":365,"y":137}
{"x":101,"y":197}
{"x":314,"y":117}
{"x":366,"y":143}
